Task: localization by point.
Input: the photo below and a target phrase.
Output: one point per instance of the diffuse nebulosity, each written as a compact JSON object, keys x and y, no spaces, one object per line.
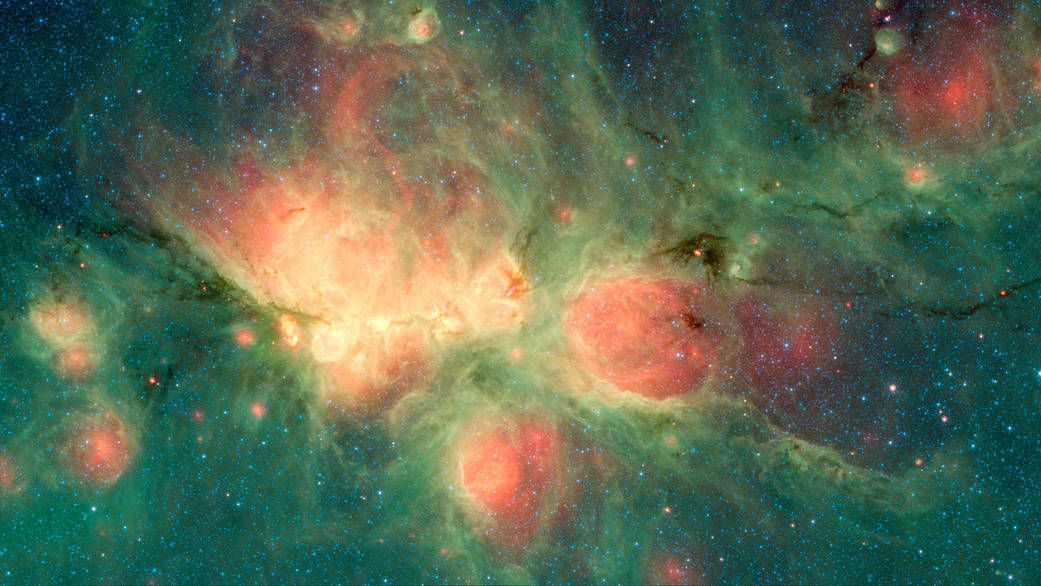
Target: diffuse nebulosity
{"x":449,"y":292}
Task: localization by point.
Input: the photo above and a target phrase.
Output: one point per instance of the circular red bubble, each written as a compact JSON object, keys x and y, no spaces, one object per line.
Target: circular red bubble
{"x":97,"y":449}
{"x":511,"y":474}
{"x":653,"y":338}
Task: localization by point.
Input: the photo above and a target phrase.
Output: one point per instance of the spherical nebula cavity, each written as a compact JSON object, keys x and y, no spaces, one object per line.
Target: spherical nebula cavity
{"x":511,"y":476}
{"x":783,"y":346}
{"x":952,"y":87}
{"x":657,"y":338}
{"x":97,"y":449}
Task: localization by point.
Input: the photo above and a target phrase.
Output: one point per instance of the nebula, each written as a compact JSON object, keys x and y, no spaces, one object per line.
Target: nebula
{"x":659,"y":339}
{"x":514,"y":476}
{"x":97,"y":449}
{"x":520,"y":292}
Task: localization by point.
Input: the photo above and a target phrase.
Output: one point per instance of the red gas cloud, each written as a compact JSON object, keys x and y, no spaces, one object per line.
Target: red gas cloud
{"x":655,"y":338}
{"x":512,"y":476}
{"x":97,"y":449}
{"x":949,"y":86}
{"x":783,"y":346}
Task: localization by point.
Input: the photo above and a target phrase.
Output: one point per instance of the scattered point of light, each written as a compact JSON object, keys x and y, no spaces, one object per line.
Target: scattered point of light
{"x":630,"y":160}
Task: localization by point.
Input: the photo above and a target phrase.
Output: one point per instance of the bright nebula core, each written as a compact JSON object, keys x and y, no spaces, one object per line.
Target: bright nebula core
{"x":721,"y":291}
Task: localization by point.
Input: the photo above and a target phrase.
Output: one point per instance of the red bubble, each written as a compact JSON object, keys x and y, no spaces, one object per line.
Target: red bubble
{"x":97,"y":449}
{"x":9,"y":476}
{"x":951,"y":87}
{"x":511,"y":473}
{"x":782,"y":349}
{"x":654,"y":338}
{"x":75,"y":362}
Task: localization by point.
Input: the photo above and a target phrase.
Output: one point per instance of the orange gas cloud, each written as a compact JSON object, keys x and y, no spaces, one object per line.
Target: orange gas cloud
{"x":672,"y":568}
{"x":370,"y":294}
{"x":68,"y":328}
{"x":61,"y":323}
{"x":373,"y":249}
{"x":75,"y":362}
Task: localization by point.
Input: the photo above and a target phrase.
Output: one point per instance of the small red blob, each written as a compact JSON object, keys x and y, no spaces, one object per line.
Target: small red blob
{"x":244,"y":337}
{"x":510,"y":473}
{"x":97,"y":449}
{"x":258,"y":409}
{"x":653,"y":338}
{"x":349,"y":27}
{"x":916,"y":175}
{"x":673,"y":569}
{"x":565,"y":213}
